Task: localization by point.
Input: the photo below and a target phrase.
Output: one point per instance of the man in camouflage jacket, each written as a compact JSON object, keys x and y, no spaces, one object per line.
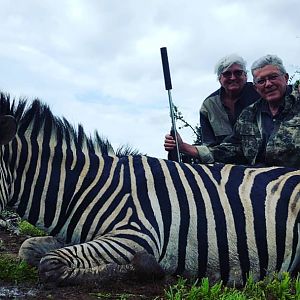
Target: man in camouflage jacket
{"x":247,"y":145}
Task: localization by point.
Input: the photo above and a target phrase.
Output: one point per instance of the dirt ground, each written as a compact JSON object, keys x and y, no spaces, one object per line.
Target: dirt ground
{"x":10,"y":243}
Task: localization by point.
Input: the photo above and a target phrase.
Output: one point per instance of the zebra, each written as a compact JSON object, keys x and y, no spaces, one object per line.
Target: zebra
{"x":109,"y":216}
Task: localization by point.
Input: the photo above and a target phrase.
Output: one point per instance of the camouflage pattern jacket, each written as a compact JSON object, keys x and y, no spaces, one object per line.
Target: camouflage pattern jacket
{"x":243,"y":146}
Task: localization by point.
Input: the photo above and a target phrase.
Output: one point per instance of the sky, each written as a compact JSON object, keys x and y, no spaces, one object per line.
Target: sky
{"x":97,"y":62}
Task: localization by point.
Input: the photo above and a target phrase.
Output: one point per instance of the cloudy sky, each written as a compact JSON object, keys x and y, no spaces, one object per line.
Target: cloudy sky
{"x":97,"y":62}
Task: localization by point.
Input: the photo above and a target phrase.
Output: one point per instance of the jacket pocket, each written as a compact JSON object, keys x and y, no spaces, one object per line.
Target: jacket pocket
{"x":289,"y":134}
{"x":247,"y":129}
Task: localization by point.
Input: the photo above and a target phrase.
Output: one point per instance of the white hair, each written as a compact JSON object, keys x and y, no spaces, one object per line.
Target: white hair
{"x":266,"y":60}
{"x":227,"y":61}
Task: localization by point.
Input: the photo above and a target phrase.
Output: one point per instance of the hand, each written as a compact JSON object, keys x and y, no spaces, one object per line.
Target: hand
{"x":183,"y":147}
{"x":170,"y":143}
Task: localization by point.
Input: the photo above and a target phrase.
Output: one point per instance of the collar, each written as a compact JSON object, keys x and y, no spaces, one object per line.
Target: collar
{"x":222,"y":94}
{"x":285,"y":106}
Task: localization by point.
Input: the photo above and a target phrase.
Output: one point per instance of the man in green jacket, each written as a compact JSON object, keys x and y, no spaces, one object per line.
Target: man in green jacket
{"x":267,"y":132}
{"x":220,"y":110}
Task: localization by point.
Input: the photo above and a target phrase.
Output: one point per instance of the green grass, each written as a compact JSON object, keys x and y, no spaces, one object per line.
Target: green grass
{"x":28,"y":229}
{"x":271,"y":288}
{"x":15,"y":271}
{"x":283,"y":287}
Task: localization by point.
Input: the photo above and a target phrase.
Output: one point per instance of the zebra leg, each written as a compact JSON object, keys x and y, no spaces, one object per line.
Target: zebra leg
{"x":295,"y":265}
{"x":68,"y":266}
{"x":146,"y":266}
{"x":33,"y":249}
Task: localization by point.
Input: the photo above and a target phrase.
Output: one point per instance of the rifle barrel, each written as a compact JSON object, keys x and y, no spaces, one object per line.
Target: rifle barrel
{"x":174,"y":154}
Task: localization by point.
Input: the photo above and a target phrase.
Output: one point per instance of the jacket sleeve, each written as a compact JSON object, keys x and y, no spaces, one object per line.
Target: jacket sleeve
{"x":229,"y":151}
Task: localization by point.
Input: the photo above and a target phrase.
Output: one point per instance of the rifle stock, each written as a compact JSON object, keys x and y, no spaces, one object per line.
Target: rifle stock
{"x":173,"y":154}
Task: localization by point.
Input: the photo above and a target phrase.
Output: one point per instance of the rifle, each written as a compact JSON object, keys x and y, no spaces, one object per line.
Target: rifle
{"x":173,"y":154}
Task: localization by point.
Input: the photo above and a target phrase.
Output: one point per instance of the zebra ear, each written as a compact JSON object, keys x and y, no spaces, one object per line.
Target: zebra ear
{"x":8,"y":129}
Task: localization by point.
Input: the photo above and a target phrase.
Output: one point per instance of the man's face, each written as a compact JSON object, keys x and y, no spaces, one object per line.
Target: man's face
{"x":233,"y":79}
{"x":270,"y":83}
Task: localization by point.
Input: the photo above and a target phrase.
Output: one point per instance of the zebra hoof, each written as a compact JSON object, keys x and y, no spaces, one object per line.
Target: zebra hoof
{"x":53,"y":270}
{"x":33,"y":249}
{"x":146,"y":266}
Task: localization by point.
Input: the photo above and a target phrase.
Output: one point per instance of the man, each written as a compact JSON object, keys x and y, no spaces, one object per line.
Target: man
{"x":221,"y":109}
{"x":267,"y":132}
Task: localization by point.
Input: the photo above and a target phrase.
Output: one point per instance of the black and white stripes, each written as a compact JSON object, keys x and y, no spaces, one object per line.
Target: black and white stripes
{"x":220,"y":221}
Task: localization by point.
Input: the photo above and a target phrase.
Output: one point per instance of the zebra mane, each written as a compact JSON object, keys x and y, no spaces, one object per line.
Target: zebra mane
{"x":36,"y":115}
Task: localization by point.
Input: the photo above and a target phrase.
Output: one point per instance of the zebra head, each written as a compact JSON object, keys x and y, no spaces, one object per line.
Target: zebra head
{"x":8,"y":128}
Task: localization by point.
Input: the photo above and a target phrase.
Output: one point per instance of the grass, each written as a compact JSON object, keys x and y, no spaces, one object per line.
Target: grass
{"x":12,"y":270}
{"x":282,"y":287}
{"x":15,"y":271}
{"x":28,"y":229}
{"x":15,"y":225}
{"x":271,"y":288}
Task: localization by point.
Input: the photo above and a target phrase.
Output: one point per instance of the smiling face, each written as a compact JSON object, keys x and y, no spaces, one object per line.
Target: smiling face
{"x":270,"y":83}
{"x":233,"y":79}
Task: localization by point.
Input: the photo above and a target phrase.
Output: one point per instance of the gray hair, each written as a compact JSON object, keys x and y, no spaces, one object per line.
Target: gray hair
{"x":268,"y":60}
{"x":227,"y":61}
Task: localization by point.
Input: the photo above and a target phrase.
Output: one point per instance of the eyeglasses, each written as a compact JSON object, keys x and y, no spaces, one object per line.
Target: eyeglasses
{"x":262,"y":81}
{"x":236,"y":73}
